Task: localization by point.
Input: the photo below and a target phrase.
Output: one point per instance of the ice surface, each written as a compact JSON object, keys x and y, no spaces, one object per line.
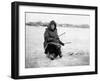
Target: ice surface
{"x":74,"y":54}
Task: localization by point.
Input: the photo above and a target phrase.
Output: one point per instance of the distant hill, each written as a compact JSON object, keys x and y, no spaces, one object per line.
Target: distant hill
{"x":45,"y":24}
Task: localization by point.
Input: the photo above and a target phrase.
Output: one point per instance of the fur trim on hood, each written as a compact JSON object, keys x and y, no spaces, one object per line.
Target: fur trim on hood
{"x":52,"y":22}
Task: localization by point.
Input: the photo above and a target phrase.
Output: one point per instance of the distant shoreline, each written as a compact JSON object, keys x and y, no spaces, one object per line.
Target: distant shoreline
{"x":45,"y":24}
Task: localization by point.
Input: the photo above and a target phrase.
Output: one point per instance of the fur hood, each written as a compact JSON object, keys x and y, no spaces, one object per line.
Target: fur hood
{"x":52,"y":22}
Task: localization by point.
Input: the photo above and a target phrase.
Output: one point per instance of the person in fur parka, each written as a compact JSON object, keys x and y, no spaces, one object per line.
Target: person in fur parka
{"x":51,"y":37}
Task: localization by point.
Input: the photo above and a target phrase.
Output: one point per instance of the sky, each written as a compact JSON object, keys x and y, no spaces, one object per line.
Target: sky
{"x":58,"y":18}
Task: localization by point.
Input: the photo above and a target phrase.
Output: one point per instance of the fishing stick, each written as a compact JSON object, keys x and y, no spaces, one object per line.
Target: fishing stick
{"x":67,"y":42}
{"x":62,"y":34}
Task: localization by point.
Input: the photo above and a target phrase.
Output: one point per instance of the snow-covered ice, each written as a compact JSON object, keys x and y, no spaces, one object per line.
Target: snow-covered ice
{"x":74,"y":54}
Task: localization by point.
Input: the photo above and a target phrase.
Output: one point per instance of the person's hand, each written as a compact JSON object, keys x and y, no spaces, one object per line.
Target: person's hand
{"x":62,"y":43}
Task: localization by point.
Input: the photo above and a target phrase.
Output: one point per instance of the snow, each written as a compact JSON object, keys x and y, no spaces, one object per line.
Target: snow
{"x":74,"y":54}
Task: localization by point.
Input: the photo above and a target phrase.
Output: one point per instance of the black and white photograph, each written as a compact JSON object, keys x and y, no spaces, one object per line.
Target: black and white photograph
{"x":56,"y":40}
{"x":51,"y":40}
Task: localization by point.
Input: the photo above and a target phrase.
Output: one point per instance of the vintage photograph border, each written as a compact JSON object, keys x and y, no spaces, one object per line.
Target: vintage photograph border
{"x":15,"y":39}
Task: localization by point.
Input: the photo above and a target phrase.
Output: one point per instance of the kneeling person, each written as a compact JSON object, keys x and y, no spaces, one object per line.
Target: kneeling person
{"x":51,"y":40}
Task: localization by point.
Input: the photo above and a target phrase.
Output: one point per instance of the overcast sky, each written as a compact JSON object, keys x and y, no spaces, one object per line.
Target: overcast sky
{"x":59,"y":18}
